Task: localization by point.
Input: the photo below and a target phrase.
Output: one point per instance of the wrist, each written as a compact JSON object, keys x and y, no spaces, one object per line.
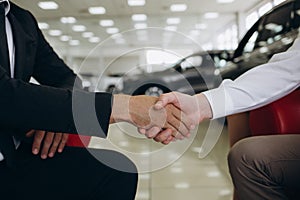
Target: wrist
{"x":120,"y":109}
{"x":204,"y":107}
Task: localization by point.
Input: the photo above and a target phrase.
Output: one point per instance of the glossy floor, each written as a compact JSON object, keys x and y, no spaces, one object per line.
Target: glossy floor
{"x":178,"y":173}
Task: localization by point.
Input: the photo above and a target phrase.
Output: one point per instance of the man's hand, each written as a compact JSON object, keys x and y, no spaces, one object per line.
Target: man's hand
{"x":139,"y":110}
{"x":47,"y":143}
{"x":195,"y":108}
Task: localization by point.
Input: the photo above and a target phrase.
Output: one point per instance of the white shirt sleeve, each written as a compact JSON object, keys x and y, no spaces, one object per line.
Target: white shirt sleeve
{"x":258,"y":86}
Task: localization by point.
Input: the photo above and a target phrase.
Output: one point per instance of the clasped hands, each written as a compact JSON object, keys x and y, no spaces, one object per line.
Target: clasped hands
{"x":170,"y":117}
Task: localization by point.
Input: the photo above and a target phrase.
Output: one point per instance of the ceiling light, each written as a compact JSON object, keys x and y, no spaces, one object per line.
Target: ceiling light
{"x":225,"y":1}
{"x":97,"y":10}
{"x":140,"y":26}
{"x":112,"y":30}
{"x":176,"y":170}
{"x":106,"y":22}
{"x":79,"y":28}
{"x":211,"y":15}
{"x":178,"y":7}
{"x":65,"y":38}
{"x":43,"y":25}
{"x":201,"y":26}
{"x":55,"y":32}
{"x":87,"y":34}
{"x":136,"y":2}
{"x":117,"y":36}
{"x":139,"y":17}
{"x":48,"y":5}
{"x":74,"y":42}
{"x":171,"y":28}
{"x":174,"y":20}
{"x":94,"y":39}
{"x":182,"y":185}
{"x":68,"y":20}
{"x":213,"y":174}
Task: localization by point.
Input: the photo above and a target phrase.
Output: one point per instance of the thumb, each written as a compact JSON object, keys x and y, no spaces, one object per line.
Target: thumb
{"x":165,"y":99}
{"x":30,"y":133}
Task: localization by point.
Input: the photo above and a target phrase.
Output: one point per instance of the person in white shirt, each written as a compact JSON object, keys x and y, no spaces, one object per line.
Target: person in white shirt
{"x":261,"y":167}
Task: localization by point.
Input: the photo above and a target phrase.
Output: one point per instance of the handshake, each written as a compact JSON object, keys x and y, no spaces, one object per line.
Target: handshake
{"x":166,"y":118}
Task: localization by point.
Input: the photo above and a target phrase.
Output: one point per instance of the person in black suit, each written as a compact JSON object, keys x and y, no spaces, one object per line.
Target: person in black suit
{"x":74,"y":174}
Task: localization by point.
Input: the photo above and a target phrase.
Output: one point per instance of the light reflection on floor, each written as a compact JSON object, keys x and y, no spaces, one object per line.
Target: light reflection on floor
{"x":188,"y":178}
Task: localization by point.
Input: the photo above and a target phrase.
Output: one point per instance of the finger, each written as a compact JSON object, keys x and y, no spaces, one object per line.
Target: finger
{"x":180,"y":120}
{"x":46,"y":145}
{"x":63,"y":142}
{"x":163,"y":135}
{"x":165,"y":99}
{"x":181,"y":116}
{"x":30,"y":133}
{"x":167,"y":141}
{"x":38,"y":138}
{"x":177,"y":126}
{"x":56,"y":140}
{"x":142,"y":131}
{"x":152,"y":132}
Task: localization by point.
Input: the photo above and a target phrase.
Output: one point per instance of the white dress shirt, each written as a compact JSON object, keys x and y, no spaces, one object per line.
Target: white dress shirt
{"x":11,"y":49}
{"x":258,"y":86}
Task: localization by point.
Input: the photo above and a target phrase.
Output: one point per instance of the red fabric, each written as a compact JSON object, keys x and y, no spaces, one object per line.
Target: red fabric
{"x":279,"y":117}
{"x":78,"y":140}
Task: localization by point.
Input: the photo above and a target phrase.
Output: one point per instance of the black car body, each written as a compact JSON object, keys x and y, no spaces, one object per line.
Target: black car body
{"x":273,"y":33}
{"x":190,"y":75}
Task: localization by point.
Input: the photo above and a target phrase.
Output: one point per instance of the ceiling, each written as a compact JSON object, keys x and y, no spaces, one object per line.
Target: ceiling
{"x":120,"y":12}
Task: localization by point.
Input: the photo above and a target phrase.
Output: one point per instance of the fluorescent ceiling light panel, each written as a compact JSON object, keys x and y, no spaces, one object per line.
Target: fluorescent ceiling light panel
{"x":140,"y":26}
{"x":87,"y":34}
{"x":74,"y":42}
{"x":225,"y":1}
{"x":211,"y":15}
{"x":94,"y":39}
{"x":78,"y":28}
{"x":55,"y":32}
{"x":106,"y":22}
{"x":173,"y":20}
{"x":97,"y":10}
{"x":178,"y":7}
{"x":48,"y":5}
{"x":139,"y":17}
{"x":65,"y":38}
{"x":68,"y":20}
{"x":43,"y":25}
{"x":136,"y":2}
{"x":171,"y":28}
{"x":112,"y":30}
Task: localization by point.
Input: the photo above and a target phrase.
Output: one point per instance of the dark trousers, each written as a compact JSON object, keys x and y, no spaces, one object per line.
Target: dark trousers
{"x":75,"y":174}
{"x":266,"y":167}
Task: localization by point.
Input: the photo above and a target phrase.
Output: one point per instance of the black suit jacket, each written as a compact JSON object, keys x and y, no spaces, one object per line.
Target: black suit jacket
{"x":25,"y":106}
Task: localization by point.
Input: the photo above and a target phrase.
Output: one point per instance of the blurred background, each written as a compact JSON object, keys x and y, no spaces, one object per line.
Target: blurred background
{"x":151,"y":47}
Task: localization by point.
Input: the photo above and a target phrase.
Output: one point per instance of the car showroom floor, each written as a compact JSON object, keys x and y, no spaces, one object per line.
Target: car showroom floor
{"x":188,"y":178}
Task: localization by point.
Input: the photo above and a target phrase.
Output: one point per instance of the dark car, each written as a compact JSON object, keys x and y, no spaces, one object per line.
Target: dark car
{"x":273,"y":33}
{"x":192,"y":74}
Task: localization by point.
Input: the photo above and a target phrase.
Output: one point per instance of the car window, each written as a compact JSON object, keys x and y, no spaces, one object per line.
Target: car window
{"x":249,"y":47}
{"x":194,"y":61}
{"x":296,"y":21}
{"x":274,"y":26}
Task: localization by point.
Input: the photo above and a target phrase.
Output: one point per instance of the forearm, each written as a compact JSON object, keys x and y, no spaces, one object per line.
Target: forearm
{"x":27,"y":106}
{"x":259,"y":86}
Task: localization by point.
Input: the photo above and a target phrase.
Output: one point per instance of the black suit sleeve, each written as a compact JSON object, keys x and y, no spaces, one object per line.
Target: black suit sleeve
{"x":28,"y":106}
